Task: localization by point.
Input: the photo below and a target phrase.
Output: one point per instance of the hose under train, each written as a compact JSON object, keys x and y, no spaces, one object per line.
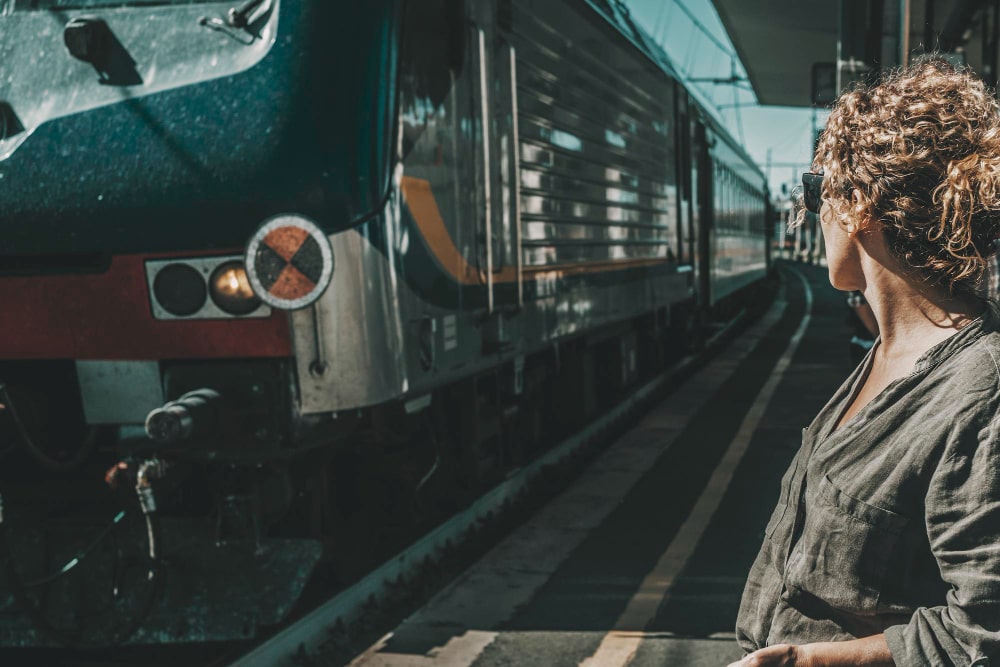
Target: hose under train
{"x":27,"y":444}
{"x":69,"y":639}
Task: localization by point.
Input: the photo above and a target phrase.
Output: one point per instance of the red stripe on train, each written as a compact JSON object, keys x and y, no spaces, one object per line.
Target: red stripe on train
{"x":108,"y":316}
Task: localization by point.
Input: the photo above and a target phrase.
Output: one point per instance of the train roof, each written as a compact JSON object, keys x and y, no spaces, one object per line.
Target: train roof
{"x":617,"y":14}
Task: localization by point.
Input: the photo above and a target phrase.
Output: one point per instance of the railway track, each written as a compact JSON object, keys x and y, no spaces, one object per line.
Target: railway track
{"x":295,"y":644}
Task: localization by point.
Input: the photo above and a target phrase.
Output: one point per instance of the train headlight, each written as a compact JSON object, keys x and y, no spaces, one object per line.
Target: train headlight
{"x":180,"y":289}
{"x":230,"y":289}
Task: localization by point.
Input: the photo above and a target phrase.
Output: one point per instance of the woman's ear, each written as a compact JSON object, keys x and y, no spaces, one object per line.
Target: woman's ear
{"x":859,"y":217}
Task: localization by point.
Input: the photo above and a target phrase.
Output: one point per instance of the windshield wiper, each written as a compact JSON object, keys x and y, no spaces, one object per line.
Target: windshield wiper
{"x":239,"y":22}
{"x":247,"y":13}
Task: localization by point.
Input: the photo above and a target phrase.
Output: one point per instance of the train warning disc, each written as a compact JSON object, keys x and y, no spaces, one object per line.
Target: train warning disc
{"x":289,"y":262}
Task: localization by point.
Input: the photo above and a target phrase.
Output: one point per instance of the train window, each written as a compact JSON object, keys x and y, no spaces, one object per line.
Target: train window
{"x":718,"y":194}
{"x":729,"y":199}
{"x":741,"y":203}
{"x":747,"y":208}
{"x":737,"y":203}
{"x":727,"y":203}
{"x":725,"y":197}
{"x":684,"y":139}
{"x":723,"y":218}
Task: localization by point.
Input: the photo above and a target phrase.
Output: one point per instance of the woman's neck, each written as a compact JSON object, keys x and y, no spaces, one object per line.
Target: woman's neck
{"x":912,"y":318}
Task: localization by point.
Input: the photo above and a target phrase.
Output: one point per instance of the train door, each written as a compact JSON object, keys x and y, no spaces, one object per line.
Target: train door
{"x":686,"y":231}
{"x":498,"y":229}
{"x":704,"y":210}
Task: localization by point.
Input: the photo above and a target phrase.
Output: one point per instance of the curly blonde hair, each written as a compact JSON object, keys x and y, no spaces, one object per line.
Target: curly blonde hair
{"x":922,"y":147}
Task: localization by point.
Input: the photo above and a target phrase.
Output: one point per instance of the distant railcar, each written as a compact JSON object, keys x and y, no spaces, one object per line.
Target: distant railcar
{"x":529,"y":214}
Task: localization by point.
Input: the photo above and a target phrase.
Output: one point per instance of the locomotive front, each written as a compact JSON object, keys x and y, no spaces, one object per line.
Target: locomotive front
{"x":150,"y":424}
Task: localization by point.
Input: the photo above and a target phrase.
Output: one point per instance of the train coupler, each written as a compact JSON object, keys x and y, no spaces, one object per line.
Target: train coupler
{"x":193,"y":415}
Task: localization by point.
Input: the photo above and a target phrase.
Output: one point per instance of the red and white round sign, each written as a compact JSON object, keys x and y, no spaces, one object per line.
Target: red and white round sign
{"x":289,"y":262}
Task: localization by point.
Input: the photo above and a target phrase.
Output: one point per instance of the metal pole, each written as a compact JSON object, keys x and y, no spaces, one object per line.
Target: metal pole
{"x":930,"y":43}
{"x":990,"y":45}
{"x":516,"y":152}
{"x":840,"y":45}
{"x":487,"y":171}
{"x":904,"y":33}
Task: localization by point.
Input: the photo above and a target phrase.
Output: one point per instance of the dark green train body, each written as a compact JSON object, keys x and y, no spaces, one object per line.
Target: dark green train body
{"x":529,"y":215}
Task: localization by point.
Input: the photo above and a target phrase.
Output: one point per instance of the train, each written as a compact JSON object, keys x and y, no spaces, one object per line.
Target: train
{"x":474,"y":225}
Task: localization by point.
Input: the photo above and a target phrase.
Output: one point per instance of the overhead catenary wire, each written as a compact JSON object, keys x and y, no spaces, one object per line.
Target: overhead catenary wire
{"x":698,"y":24}
{"x":736,"y":93}
{"x":691,"y":60}
{"x":669,"y":7}
{"x":679,"y":32}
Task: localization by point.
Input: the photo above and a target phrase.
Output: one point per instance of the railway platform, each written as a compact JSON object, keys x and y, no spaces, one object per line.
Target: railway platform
{"x":642,"y":560}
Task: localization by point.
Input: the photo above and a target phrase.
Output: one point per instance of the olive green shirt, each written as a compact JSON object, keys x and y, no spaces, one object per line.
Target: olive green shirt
{"x":892,"y":522}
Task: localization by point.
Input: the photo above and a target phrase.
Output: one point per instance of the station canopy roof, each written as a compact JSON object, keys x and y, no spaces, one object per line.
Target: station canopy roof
{"x":778,"y":43}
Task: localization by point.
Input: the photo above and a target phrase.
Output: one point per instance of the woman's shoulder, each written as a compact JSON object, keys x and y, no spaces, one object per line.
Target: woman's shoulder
{"x":986,"y":356}
{"x":977,"y":367}
{"x":969,"y":373}
{"x":962,"y":403}
{"x":983,"y":358}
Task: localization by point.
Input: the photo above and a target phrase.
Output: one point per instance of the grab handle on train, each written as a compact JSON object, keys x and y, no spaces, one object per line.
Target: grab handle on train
{"x":194,"y":414}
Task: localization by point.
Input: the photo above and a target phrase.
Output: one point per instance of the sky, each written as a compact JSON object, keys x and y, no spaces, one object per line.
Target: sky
{"x":698,"y":44}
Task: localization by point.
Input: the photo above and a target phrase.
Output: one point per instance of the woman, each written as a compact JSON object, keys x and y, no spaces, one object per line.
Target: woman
{"x":884,"y":548}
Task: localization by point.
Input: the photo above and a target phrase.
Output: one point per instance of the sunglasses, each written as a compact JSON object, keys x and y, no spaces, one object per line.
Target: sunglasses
{"x":812,"y":186}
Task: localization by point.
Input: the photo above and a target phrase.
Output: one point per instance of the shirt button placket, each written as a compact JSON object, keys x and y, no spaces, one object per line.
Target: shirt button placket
{"x":798,"y":484}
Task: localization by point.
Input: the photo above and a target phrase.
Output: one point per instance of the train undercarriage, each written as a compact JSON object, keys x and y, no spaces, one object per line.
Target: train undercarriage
{"x":258,"y":495}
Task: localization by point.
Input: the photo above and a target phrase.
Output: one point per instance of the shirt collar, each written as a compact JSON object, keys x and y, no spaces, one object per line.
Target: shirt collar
{"x":970,"y":333}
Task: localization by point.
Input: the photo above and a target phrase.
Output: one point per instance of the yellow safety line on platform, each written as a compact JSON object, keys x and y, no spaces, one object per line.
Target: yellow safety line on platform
{"x":618,"y":648}
{"x":453,"y":654}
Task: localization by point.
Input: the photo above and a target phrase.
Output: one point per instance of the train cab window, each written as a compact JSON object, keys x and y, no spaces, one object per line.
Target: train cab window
{"x":432,"y":56}
{"x":56,"y":5}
